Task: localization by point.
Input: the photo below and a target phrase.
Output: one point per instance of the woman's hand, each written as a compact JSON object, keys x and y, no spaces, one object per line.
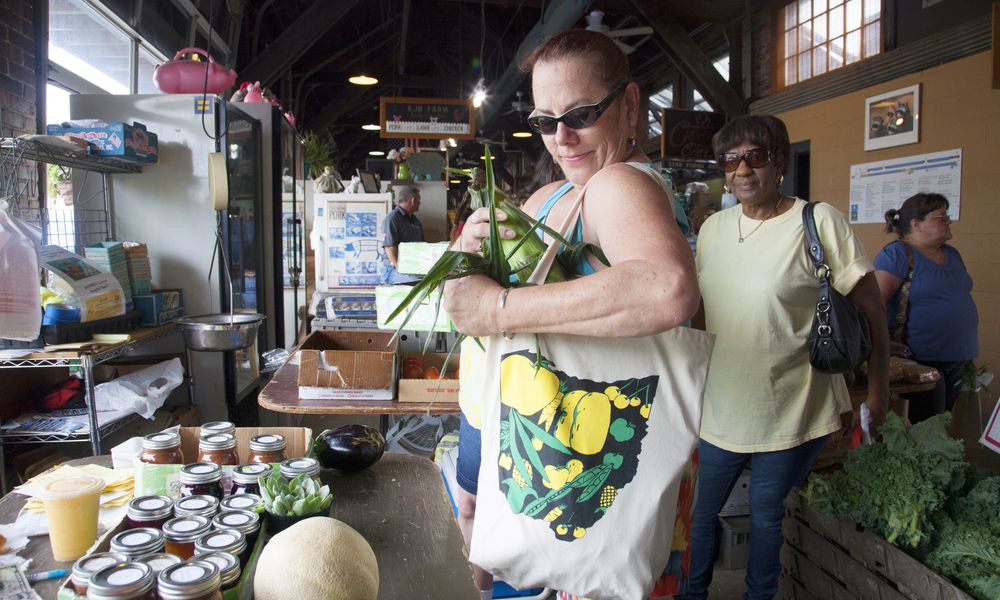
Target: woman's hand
{"x":865,"y":296}
{"x":472,"y":304}
{"x":477,"y":229}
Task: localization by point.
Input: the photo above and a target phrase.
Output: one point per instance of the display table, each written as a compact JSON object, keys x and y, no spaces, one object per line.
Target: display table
{"x":399,"y":505}
{"x":281,"y":394}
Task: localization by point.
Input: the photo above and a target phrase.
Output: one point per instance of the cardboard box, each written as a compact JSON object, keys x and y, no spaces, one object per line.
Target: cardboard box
{"x":163,"y":479}
{"x":416,"y":258}
{"x":159,"y":307}
{"x":348,"y":364}
{"x":127,"y":142}
{"x":432,"y":390}
{"x":388,"y":297}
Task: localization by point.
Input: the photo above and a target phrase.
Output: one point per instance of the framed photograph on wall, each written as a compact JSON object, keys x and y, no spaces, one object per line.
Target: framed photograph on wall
{"x":893,"y":118}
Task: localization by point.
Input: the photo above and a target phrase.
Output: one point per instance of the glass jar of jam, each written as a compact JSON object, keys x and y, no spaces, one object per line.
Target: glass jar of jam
{"x":239,"y":502}
{"x":163,"y":448}
{"x":267,"y":448}
{"x":201,"y":478}
{"x":122,"y":581}
{"x":224,"y":540}
{"x":217,"y":427}
{"x":136,"y":542}
{"x":180,"y":534}
{"x":202,"y":506}
{"x":293,"y":467}
{"x":190,"y":580}
{"x":229,"y":567}
{"x":158,"y":560}
{"x":90,"y":564}
{"x":246,"y":478}
{"x":218,"y":448}
{"x":149,"y":511}
{"x":244,"y":521}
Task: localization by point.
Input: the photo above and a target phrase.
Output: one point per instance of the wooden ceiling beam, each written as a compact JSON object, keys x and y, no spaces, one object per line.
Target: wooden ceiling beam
{"x":689,"y":58}
{"x":502,"y":3}
{"x":402,"y":37}
{"x":296,"y":40}
{"x":702,"y":11}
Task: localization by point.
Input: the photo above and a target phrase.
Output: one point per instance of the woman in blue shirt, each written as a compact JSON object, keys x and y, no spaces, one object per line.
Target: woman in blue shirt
{"x":941,"y":322}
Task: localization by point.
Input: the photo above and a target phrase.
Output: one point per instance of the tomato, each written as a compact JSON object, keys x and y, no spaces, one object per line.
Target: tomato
{"x":413,"y":371}
{"x":432,"y":373}
{"x":413,"y":360}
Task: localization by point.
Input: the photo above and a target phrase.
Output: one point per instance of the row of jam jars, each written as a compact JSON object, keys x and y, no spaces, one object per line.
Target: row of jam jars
{"x":163,"y":448}
{"x":218,"y":448}
{"x":122,"y":581}
{"x":190,"y":580}
{"x":245,"y":521}
{"x":246,"y":478}
{"x":229,"y":567}
{"x":149,"y":511}
{"x":180,"y":534}
{"x":201,"y":479}
{"x":267,"y":448}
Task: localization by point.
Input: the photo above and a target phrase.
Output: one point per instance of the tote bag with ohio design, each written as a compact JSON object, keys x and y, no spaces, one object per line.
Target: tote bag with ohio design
{"x":586,"y":481}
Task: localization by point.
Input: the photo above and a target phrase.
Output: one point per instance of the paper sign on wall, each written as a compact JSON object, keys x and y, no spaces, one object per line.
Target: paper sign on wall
{"x":878,"y":186}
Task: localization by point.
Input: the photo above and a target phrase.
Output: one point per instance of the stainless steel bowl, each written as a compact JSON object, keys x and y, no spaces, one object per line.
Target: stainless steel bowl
{"x":218,"y":332}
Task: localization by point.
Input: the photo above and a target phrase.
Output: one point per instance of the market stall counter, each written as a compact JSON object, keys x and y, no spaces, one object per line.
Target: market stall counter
{"x":399,"y":505}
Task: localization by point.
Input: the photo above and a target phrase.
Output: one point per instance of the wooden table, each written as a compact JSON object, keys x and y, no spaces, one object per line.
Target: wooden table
{"x":399,"y":505}
{"x":281,"y":394}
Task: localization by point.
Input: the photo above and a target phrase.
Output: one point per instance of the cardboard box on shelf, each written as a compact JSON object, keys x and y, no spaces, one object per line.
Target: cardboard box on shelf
{"x":416,"y":258}
{"x":120,"y":140}
{"x":388,"y":297}
{"x":163,"y":479}
{"x":348,"y":364}
{"x":160,"y":307}
{"x":431,"y":390}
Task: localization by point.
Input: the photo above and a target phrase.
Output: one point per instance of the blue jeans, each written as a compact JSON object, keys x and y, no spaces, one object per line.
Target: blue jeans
{"x":773,"y":475}
{"x":390,"y":275}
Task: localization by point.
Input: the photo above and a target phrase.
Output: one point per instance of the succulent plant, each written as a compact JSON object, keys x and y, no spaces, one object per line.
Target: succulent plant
{"x":294,"y":498}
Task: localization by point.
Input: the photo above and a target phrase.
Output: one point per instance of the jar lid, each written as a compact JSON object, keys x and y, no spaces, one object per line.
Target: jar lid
{"x":268,"y":442}
{"x":135,"y":542}
{"x":161,"y":440}
{"x":241,"y":520}
{"x":226,"y":540}
{"x":217,"y":441}
{"x":217,"y":427}
{"x":297,"y":466}
{"x":229,"y":564}
{"x":87,"y":565}
{"x":188,"y":580}
{"x":201,"y":472}
{"x":239,"y":502}
{"x":67,"y":487}
{"x":145,"y":508}
{"x":186,"y":529}
{"x":250,"y":473}
{"x":201,"y":504}
{"x":158,"y":560}
{"x":120,"y":579}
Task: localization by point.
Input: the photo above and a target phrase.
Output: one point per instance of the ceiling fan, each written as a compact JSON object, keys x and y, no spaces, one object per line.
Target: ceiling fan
{"x":519,"y":105}
{"x":595,"y":23}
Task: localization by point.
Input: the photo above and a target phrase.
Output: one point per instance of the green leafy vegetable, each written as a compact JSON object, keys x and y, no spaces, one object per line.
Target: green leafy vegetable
{"x":298,"y":497}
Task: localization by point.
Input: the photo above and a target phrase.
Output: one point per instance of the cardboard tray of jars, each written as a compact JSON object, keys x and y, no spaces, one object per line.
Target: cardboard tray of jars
{"x":242,"y":591}
{"x":834,"y":557}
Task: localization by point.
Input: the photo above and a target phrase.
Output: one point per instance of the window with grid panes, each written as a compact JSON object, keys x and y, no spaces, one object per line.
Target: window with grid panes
{"x":824,"y":35}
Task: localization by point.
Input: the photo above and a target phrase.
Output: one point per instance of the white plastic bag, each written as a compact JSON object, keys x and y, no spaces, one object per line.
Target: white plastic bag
{"x":20,"y":300}
{"x":141,"y":392}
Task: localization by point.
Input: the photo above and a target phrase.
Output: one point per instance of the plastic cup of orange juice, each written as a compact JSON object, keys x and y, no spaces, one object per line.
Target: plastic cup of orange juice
{"x":71,"y":505}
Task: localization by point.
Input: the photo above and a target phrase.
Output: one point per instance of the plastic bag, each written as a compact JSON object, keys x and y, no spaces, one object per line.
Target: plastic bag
{"x":20,"y":300}
{"x":328,"y":182}
{"x":141,"y":392}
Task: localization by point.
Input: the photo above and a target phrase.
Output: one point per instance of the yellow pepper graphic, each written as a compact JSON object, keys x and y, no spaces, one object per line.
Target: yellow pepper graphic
{"x":523,"y":388}
{"x":584,"y":423}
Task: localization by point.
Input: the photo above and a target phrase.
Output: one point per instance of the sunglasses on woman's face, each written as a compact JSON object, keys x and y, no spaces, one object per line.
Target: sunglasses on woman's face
{"x":755,"y":159}
{"x":580,"y":117}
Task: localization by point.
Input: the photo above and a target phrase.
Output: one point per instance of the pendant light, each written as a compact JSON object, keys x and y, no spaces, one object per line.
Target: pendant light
{"x":362,"y":79}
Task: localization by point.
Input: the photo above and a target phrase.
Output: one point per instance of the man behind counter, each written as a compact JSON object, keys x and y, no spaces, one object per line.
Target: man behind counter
{"x":400,"y":225}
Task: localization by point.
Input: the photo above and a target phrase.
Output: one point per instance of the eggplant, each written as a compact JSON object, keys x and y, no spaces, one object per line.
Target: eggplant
{"x":349,"y":448}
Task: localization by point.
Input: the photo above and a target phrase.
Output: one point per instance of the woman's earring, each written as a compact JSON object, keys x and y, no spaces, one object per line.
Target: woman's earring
{"x":780,"y":179}
{"x":725,"y":188}
{"x":631,"y":142}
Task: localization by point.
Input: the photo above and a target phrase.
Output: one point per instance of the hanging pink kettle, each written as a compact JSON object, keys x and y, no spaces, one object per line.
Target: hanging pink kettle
{"x":186,"y":76}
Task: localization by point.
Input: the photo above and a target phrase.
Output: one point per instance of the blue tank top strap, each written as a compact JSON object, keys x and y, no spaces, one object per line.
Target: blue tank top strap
{"x":543,"y":212}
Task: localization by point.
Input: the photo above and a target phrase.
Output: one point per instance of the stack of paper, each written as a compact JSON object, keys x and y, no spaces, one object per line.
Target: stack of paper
{"x":119,"y":485}
{"x":139,"y":273}
{"x":110,"y":257}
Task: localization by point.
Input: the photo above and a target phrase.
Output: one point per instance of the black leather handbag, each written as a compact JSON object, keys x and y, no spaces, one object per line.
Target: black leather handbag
{"x":839,"y":339}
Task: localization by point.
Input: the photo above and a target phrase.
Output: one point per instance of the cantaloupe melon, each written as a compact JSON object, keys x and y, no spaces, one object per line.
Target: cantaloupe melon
{"x":316,"y":559}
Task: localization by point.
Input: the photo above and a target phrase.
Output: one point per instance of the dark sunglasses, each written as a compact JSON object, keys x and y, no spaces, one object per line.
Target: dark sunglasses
{"x":755,"y":159}
{"x":580,"y":117}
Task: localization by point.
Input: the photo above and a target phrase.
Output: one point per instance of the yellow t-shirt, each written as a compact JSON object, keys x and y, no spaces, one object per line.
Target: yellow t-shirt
{"x":762,"y":394}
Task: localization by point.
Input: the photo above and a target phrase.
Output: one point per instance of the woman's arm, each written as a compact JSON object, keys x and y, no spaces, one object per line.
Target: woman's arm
{"x":650,"y":287}
{"x":888,"y":284}
{"x":865,"y":296}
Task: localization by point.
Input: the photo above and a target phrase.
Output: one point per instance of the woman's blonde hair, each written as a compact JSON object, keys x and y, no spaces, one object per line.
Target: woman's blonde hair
{"x":610,"y":63}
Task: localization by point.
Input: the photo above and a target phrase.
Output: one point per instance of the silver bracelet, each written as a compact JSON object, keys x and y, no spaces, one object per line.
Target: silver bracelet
{"x":501,"y":302}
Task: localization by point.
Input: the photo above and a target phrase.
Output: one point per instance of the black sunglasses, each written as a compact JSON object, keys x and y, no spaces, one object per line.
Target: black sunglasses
{"x":580,"y":117}
{"x":755,"y":159}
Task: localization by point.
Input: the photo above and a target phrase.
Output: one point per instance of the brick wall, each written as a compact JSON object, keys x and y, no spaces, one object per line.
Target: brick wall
{"x":17,"y":90}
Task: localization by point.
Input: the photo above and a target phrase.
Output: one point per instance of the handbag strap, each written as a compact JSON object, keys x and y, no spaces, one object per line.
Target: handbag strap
{"x":899,"y":331}
{"x":814,"y":248}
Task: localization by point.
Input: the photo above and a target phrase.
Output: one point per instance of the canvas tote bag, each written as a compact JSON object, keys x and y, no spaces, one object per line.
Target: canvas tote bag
{"x":582,"y":461}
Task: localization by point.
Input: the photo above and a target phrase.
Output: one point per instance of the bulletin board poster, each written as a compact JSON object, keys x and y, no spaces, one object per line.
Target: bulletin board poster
{"x":878,"y":186}
{"x":354,"y":234}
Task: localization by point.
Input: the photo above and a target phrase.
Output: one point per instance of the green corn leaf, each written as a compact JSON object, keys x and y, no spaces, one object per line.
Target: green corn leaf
{"x":499,"y":269}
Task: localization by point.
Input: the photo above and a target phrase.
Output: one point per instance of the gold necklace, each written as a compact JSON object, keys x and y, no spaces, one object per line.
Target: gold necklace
{"x":739,"y":220}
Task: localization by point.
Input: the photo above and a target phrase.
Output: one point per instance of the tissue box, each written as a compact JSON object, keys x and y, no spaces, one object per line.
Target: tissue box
{"x":120,"y":140}
{"x":159,"y":307}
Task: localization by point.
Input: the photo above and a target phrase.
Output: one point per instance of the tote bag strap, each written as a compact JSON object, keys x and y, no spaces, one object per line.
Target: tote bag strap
{"x":899,"y":331}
